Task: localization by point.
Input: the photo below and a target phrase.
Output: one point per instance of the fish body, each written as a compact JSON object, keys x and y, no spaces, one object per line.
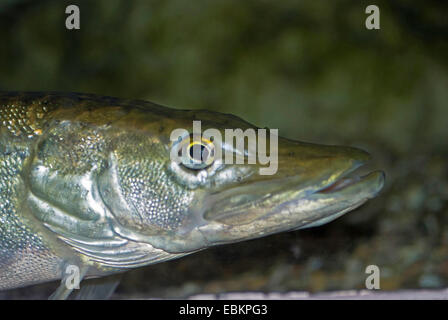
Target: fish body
{"x":89,"y":181}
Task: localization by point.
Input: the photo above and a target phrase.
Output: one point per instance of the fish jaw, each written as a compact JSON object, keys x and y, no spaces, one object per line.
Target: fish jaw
{"x":299,"y":212}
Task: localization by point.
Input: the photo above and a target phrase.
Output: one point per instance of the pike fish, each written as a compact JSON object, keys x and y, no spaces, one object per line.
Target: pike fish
{"x":88,"y":182}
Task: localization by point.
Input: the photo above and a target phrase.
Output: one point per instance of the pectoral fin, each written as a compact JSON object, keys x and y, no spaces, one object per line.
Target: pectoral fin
{"x":98,"y":289}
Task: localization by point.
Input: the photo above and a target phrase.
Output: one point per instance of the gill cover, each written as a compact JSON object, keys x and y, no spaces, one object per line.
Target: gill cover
{"x":69,"y":164}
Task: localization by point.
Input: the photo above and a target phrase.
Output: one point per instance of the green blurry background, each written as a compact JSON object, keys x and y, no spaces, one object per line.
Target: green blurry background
{"x":309,"y":68}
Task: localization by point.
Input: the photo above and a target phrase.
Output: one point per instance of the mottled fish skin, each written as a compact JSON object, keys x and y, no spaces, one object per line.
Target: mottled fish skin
{"x":87,"y":180}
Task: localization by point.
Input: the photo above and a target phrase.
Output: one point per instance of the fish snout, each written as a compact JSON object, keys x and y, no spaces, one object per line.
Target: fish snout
{"x":317,"y":165}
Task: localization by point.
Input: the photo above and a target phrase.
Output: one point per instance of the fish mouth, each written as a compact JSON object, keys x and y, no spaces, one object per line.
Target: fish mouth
{"x":372,"y":181}
{"x":345,"y":194}
{"x":290,"y":203}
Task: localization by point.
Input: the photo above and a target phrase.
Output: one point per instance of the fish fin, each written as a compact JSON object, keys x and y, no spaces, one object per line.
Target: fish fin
{"x":99,"y":288}
{"x":64,"y":291}
{"x":61,"y":293}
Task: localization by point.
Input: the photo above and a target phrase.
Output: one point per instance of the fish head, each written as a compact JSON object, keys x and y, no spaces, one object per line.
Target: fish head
{"x":178,"y":190}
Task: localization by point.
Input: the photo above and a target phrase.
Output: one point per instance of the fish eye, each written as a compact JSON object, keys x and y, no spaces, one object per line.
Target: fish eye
{"x":197,"y":155}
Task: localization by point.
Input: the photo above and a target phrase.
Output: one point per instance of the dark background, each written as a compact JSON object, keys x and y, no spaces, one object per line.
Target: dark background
{"x":309,"y":68}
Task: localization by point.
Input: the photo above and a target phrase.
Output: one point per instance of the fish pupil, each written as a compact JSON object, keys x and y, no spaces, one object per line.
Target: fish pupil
{"x":199,"y":152}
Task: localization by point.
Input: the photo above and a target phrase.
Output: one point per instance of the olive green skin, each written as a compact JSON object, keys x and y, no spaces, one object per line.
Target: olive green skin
{"x":88,"y":180}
